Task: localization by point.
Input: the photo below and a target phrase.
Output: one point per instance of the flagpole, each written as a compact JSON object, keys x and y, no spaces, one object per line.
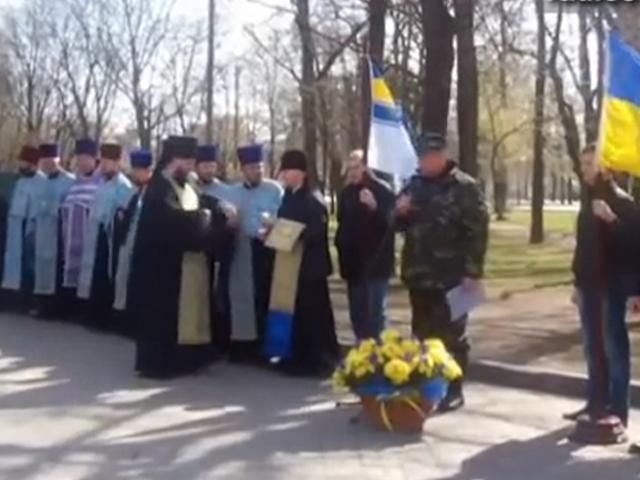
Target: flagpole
{"x":366,"y":106}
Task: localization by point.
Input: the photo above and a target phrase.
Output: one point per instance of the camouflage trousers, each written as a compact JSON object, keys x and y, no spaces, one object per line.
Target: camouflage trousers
{"x":431,"y":318}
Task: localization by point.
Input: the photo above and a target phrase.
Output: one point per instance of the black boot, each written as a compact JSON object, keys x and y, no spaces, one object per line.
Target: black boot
{"x":454,"y":400}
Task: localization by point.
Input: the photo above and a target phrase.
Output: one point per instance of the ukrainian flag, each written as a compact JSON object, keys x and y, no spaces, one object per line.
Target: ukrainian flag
{"x":390,"y":149}
{"x":619,"y":142}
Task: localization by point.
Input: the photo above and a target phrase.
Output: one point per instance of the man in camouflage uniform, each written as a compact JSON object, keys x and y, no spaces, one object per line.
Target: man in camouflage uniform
{"x":443,"y":215}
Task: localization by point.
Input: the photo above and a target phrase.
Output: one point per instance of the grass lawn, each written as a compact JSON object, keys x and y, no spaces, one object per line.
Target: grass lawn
{"x":562,"y":222}
{"x":512,"y":264}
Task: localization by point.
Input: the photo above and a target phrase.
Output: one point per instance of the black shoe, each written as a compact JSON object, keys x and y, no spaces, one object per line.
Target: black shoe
{"x":634,"y":448}
{"x":451,"y":403}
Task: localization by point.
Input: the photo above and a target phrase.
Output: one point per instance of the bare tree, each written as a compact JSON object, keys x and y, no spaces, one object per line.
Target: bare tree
{"x":35,"y":67}
{"x":137,"y":31}
{"x":467,"y":90}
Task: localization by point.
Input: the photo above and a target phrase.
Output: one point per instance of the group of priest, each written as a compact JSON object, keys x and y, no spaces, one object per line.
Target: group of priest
{"x":166,"y":253}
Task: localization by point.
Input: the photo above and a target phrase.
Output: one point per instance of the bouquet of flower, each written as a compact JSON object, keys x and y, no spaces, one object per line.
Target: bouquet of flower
{"x":415,"y":373}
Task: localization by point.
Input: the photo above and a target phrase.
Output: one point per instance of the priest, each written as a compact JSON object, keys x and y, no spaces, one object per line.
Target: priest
{"x":170,"y":272}
{"x":217,"y":195}
{"x":314,"y":347}
{"x":75,"y":216}
{"x":207,"y":171}
{"x":99,"y":256}
{"x":19,"y":255}
{"x":257,"y":200}
{"x":141,"y":162}
{"x":49,"y":257}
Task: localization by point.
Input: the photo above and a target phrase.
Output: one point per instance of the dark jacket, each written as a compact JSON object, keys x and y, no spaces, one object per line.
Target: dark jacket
{"x":604,"y":251}
{"x":305,"y":206}
{"x":446,"y":231}
{"x":365,"y":238}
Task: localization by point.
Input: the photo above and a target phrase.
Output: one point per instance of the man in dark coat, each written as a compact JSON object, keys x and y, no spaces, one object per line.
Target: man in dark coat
{"x":170,"y":276}
{"x":603,"y":270}
{"x":314,"y":347}
{"x":365,"y":243}
{"x":445,"y":220}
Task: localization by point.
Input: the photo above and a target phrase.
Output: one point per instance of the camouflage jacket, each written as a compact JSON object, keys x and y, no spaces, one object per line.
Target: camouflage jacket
{"x":446,"y":231}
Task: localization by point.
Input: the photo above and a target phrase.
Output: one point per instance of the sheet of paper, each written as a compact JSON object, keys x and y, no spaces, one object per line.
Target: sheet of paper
{"x":464,"y":300}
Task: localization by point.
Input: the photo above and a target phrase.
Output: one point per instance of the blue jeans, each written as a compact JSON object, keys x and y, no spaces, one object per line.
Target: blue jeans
{"x":607,"y":350}
{"x":367,"y":306}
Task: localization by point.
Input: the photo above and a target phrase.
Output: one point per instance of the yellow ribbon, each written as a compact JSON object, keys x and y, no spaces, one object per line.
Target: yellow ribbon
{"x":385,"y":415}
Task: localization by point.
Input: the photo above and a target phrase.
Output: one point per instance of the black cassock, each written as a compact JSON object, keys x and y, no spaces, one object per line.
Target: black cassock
{"x":166,"y":234}
{"x":314,"y":347}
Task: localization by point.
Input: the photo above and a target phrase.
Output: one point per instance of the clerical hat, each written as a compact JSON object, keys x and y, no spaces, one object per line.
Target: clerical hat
{"x":29,"y":154}
{"x":181,"y":147}
{"x":207,"y":153}
{"x":293,"y":160}
{"x":250,"y":154}
{"x":111,"y":151}
{"x":140,"y":159}
{"x":86,"y":146}
{"x":48,"y":150}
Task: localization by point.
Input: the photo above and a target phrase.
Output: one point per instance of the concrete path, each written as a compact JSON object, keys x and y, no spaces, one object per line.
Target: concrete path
{"x":71,"y":409}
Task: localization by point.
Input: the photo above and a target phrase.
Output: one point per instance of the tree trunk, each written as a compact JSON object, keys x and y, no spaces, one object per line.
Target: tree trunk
{"x":307,"y":88}
{"x":210,"y":68}
{"x":467,"y":91}
{"x":377,"y":18}
{"x":554,"y":187}
{"x":563,"y":190}
{"x":537,"y":186}
{"x":437,"y":27}
{"x":236,"y":110}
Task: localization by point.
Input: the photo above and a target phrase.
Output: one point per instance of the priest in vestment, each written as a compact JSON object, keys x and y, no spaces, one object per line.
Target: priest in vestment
{"x":19,"y":256}
{"x":216,"y":195}
{"x":257,"y":200}
{"x":170,"y":284}
{"x":314,"y":346}
{"x":75,"y":218}
{"x":48,"y":235}
{"x":126,"y":228}
{"x":100,"y":256}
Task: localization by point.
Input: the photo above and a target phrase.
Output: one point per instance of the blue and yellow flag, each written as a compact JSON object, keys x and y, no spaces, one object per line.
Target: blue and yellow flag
{"x":619,"y":142}
{"x":390,"y":149}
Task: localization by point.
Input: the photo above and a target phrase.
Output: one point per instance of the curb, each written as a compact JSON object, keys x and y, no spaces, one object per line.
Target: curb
{"x":554,"y":382}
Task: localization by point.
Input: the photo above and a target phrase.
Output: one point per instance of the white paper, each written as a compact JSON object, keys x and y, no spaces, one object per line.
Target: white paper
{"x":463,"y":300}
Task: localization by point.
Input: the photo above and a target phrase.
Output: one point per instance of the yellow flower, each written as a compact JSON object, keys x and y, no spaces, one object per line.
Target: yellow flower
{"x":410,"y":348}
{"x":338,"y":380}
{"x":434,"y":344}
{"x":368,"y":347}
{"x":391,"y":351}
{"x":390,"y":336}
{"x":426,"y":366}
{"x":397,"y":371}
{"x":451,"y":370}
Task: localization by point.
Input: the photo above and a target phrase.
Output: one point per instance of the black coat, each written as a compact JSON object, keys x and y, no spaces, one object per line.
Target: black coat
{"x":365,"y":239}
{"x":165,"y":233}
{"x":304,"y":206}
{"x":605,"y":251}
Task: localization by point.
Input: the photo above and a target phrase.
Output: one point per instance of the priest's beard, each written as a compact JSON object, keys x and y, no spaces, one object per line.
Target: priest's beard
{"x":26,"y":172}
{"x":180,"y":175}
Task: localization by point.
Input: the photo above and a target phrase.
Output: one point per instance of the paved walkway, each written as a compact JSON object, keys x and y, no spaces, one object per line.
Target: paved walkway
{"x":71,"y":409}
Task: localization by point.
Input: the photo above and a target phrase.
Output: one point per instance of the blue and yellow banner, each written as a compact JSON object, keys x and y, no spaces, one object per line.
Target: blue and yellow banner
{"x":390,"y":149}
{"x":619,"y":142}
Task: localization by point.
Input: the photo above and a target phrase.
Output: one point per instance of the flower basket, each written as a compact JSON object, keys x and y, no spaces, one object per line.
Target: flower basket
{"x":400,"y":414}
{"x":400,"y":381}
